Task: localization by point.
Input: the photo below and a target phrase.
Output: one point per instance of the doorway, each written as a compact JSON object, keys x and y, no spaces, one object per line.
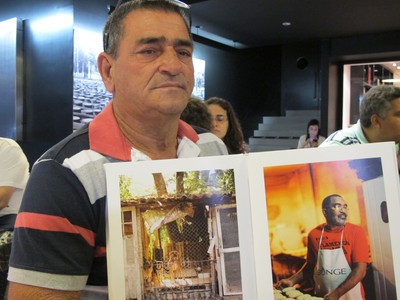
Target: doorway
{"x":358,"y":78}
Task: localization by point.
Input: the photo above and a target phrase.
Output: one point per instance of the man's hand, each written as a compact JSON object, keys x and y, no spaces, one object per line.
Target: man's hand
{"x":332,"y":296}
{"x":22,"y":291}
{"x":284,"y":283}
{"x":5,"y":195}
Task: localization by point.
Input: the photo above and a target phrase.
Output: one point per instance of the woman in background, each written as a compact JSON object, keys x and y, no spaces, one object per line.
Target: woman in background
{"x":312,"y":138}
{"x":225,"y":125}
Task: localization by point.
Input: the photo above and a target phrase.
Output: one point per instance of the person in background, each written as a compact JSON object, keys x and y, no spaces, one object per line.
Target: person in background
{"x":337,"y":255}
{"x":60,"y":238}
{"x":14,"y":173}
{"x":196,"y":114}
{"x":379,"y":120}
{"x":312,"y":138}
{"x":225,"y":125}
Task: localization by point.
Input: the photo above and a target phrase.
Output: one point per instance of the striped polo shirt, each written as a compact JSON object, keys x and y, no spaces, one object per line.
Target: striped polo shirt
{"x":59,"y":238}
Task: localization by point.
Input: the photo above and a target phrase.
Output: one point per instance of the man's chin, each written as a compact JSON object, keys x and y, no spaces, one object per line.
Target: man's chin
{"x":341,"y":222}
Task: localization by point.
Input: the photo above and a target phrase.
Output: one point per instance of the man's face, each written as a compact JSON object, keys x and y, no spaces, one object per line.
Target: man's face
{"x":153,"y":71}
{"x":336,"y":212}
{"x":390,"y":125}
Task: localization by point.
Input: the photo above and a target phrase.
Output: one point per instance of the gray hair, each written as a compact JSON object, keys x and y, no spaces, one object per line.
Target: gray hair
{"x":377,"y":102}
{"x":114,"y":29}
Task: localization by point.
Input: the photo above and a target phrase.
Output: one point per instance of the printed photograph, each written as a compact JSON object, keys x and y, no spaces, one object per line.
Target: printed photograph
{"x":179,"y":232}
{"x":330,"y":206}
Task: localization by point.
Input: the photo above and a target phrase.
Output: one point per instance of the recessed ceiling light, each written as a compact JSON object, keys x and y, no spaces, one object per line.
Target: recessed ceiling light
{"x":286,"y":23}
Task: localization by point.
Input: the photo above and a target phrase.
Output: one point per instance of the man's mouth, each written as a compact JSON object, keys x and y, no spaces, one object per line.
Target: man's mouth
{"x":342,"y":216}
{"x":170,"y":85}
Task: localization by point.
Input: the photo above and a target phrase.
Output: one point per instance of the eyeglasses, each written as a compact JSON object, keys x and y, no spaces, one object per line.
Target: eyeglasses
{"x":183,"y":8}
{"x":219,"y":118}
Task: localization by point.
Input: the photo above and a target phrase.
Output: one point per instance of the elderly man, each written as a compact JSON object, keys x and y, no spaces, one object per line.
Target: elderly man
{"x":59,"y":242}
{"x":379,"y":120}
{"x":337,"y":255}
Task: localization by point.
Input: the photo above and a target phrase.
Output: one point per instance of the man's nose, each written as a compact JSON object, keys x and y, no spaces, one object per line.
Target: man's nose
{"x":170,"y":62}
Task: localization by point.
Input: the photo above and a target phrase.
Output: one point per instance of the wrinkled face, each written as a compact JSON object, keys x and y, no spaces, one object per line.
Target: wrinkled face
{"x":313,"y":131}
{"x":390,"y":125}
{"x":153,"y":71}
{"x":336,"y":212}
{"x":219,"y":120}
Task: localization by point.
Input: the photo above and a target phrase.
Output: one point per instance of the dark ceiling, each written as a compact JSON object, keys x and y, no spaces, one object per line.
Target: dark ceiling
{"x":254,"y":23}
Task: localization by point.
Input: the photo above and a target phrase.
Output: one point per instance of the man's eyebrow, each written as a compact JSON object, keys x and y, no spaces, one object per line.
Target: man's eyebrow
{"x":162,"y":39}
{"x":183,"y":42}
{"x":151,"y":40}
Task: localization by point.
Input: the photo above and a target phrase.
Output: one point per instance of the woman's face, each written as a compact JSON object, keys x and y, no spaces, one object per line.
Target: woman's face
{"x":219,"y":120}
{"x":313,"y":131}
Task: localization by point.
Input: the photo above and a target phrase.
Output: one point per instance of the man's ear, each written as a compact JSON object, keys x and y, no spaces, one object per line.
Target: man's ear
{"x":105,"y":64}
{"x":375,"y":121}
{"x":324,"y":211}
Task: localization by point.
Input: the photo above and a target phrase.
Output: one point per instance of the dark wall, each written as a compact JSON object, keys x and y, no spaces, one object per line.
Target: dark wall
{"x":47,"y":70}
{"x":91,"y":15}
{"x":249,"y":79}
{"x":301,"y":76}
{"x":48,"y":56}
{"x":380,"y":45}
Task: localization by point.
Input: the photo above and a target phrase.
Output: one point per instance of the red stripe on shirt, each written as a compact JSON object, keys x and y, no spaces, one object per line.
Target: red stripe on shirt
{"x":52,"y":223}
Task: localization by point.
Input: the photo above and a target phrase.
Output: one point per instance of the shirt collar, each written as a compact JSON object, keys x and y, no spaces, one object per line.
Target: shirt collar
{"x":360,"y":133}
{"x":106,"y":138}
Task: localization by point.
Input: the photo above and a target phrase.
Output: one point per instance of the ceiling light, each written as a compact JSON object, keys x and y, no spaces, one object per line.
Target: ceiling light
{"x":390,"y":80}
{"x":286,"y":23}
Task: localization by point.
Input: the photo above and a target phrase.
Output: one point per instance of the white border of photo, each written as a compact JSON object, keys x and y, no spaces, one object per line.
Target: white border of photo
{"x":116,"y":280}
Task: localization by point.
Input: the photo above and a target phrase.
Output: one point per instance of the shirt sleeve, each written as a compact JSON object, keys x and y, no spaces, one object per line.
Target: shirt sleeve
{"x":14,"y":166}
{"x":55,"y":231}
{"x":302,"y":139}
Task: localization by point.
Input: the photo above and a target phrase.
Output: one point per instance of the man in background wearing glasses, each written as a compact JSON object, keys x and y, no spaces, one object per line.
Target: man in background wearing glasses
{"x":337,"y":255}
{"x":59,"y":244}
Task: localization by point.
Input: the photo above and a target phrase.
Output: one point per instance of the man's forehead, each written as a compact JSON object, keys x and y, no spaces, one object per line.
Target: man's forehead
{"x":150,"y":19}
{"x":337,"y":200}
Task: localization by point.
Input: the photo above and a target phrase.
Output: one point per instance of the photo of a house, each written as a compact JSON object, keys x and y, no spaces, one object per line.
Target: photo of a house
{"x":180,"y":235}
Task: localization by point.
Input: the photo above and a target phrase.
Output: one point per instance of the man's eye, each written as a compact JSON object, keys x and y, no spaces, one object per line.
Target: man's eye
{"x":184,"y":53}
{"x":147,"y":54}
{"x":148,"y":51}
